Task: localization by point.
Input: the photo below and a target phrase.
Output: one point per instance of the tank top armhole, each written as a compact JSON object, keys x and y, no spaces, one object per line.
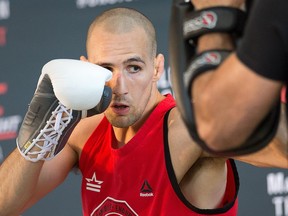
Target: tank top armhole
{"x":233,"y":173}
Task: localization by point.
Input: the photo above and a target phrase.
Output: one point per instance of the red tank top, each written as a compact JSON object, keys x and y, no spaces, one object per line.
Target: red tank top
{"x":138,"y":178}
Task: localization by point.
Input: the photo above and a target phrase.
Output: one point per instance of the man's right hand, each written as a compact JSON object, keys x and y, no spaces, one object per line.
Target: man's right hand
{"x":67,"y":91}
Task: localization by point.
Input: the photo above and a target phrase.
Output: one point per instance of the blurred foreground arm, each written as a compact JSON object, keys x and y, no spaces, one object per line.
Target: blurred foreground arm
{"x":228,"y":108}
{"x":233,"y":100}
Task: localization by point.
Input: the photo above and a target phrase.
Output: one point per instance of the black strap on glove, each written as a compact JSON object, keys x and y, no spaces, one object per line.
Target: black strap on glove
{"x":214,"y":19}
{"x":202,"y":63}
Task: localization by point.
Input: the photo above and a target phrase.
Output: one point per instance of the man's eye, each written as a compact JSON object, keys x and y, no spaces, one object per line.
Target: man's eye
{"x":134,"y":69}
{"x":109,"y":68}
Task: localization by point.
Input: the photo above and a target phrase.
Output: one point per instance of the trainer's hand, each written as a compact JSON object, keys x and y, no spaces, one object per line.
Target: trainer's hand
{"x":201,"y":4}
{"x":67,"y":91}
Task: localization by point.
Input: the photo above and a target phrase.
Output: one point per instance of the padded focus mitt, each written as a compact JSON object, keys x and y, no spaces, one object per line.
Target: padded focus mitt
{"x":187,"y":64}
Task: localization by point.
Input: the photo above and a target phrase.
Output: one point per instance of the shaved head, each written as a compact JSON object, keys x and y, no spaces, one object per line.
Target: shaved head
{"x":123,"y":20}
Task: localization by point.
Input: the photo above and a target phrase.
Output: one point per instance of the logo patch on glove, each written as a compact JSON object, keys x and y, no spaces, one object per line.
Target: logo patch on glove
{"x":207,"y":19}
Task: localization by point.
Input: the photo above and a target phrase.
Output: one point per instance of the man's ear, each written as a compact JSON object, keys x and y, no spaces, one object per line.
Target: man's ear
{"x":83,"y":58}
{"x":159,"y":66}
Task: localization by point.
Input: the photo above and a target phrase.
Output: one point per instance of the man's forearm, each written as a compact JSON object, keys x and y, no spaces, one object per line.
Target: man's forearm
{"x":276,"y":153}
{"x":18,"y":179}
{"x":280,"y":142}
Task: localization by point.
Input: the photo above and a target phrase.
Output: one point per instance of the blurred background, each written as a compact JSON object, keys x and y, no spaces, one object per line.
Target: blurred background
{"x":33,"y":32}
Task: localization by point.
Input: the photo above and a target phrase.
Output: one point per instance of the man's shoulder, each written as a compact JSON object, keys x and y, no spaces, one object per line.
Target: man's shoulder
{"x":83,"y":131}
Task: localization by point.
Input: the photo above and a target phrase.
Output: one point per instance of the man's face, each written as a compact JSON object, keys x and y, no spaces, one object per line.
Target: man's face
{"x":128,"y":56}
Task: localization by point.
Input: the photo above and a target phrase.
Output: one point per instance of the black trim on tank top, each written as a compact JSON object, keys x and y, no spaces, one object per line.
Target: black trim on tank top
{"x":286,"y":94}
{"x":175,"y":184}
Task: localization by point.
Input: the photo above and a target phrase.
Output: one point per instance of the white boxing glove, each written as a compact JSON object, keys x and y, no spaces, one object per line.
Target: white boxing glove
{"x":76,"y":83}
{"x":67,"y":91}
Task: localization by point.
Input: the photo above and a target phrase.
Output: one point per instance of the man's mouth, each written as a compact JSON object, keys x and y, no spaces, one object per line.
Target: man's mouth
{"x":120,"y":106}
{"x":120,"y":109}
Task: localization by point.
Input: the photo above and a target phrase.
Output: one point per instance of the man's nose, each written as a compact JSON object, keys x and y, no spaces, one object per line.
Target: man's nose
{"x":119,"y":83}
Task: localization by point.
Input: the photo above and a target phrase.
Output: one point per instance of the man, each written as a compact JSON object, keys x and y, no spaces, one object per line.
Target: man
{"x":234,"y":99}
{"x":137,"y":158}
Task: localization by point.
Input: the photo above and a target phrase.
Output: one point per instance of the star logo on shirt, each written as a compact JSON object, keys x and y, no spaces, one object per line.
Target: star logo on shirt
{"x":93,"y":184}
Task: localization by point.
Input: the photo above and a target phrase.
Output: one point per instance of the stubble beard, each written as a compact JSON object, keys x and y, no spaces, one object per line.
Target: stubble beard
{"x":122,"y":121}
{"x":127,"y":120}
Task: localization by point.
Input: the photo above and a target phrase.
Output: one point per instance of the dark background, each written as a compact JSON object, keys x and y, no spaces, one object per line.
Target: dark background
{"x":33,"y":32}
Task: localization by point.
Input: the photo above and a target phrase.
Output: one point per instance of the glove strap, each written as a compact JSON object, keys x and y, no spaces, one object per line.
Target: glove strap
{"x":203,"y":62}
{"x":214,"y":19}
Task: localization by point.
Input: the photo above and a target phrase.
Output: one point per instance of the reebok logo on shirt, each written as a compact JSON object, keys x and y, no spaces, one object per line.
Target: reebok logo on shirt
{"x":146,"y":190}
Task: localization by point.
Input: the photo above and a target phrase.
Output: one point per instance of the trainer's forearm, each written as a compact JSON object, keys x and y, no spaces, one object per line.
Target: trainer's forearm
{"x":230,"y":103}
{"x":18,"y":178}
{"x":208,"y":100}
{"x":215,"y":41}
